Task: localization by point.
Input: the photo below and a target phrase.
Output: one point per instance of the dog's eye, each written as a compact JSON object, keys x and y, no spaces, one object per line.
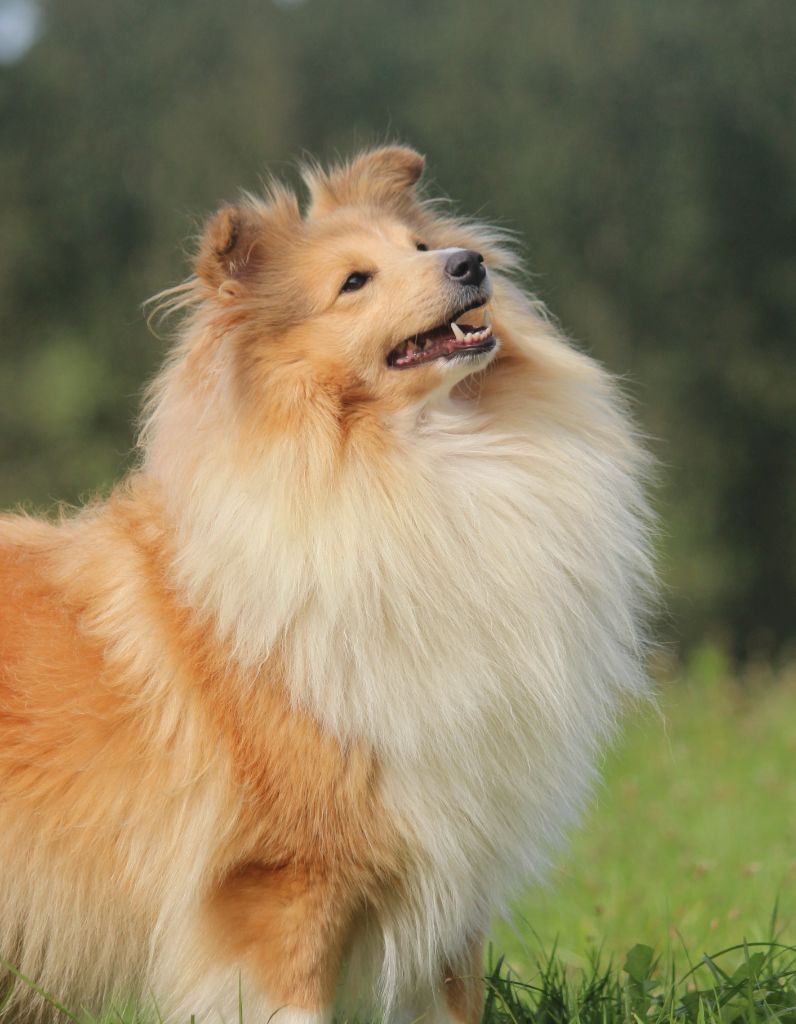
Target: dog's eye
{"x":355,"y":281}
{"x":421,"y":247}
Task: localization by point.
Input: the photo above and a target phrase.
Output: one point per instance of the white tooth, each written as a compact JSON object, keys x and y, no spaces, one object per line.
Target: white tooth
{"x":487,"y":318}
{"x":458,"y":333}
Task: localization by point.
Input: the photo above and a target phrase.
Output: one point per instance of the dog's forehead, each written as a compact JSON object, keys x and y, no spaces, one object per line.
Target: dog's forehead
{"x":360,"y":225}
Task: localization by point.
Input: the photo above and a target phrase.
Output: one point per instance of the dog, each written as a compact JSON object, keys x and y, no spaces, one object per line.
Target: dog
{"x":302,"y":704}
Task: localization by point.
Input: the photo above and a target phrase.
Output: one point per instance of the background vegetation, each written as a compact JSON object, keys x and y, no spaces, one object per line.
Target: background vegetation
{"x":692,"y":843}
{"x":645,"y":153}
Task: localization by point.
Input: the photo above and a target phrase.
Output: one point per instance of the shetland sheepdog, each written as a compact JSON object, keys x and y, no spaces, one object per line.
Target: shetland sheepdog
{"x":297,"y":709}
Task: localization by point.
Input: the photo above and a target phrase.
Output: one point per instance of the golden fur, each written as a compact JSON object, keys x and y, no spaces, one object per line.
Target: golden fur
{"x":327,"y":676}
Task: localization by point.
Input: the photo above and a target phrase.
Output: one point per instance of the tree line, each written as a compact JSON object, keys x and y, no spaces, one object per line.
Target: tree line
{"x":645,"y":155}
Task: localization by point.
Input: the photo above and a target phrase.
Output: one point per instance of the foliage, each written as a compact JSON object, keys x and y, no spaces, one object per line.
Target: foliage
{"x":756,"y":985}
{"x":690,"y":852}
{"x":692,"y":836}
{"x":744,"y":984}
{"x":644,"y":153}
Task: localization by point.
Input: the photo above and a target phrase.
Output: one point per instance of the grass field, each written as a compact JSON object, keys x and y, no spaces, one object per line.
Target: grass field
{"x":692,"y":839}
{"x":690,"y":849}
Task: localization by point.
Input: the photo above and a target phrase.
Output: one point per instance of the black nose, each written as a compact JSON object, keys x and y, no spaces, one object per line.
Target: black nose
{"x":466,"y":267}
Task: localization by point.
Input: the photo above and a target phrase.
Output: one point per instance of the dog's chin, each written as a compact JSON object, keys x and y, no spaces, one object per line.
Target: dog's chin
{"x":463,"y":363}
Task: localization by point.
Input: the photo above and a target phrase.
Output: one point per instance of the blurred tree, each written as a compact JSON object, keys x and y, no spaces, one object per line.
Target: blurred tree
{"x":645,"y":154}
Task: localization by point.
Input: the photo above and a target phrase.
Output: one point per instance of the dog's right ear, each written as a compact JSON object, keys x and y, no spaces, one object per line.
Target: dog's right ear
{"x":383,"y":177}
{"x":231,"y":249}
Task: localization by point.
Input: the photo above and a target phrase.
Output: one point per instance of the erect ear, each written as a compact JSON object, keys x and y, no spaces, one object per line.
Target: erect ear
{"x":380,"y":177}
{"x":231,"y":247}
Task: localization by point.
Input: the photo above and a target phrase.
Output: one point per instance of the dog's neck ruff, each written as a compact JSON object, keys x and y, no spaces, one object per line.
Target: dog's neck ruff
{"x":467,"y":604}
{"x":490,"y":560}
{"x":479,"y":548}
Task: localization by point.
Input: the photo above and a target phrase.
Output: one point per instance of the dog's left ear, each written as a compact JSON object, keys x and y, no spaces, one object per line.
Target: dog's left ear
{"x":381,"y":177}
{"x":231,"y":247}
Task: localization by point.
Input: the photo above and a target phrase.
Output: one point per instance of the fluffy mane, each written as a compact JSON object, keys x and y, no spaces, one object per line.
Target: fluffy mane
{"x":464,"y":586}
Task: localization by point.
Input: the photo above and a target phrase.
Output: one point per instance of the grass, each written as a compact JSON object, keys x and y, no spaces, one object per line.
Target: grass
{"x":677,"y":900}
{"x":692,"y":839}
{"x":757,"y":987}
{"x":760,"y":987}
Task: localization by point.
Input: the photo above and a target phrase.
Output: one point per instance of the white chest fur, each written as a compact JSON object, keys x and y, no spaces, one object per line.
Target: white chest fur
{"x":469,"y":605}
{"x":479,"y":628}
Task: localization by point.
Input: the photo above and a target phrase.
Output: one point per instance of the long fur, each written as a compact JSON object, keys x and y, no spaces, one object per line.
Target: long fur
{"x":452,"y":590}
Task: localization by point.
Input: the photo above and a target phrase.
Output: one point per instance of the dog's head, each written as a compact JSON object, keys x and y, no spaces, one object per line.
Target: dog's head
{"x":369,"y":296}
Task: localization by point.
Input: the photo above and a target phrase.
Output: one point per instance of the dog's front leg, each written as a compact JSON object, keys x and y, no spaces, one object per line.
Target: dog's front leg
{"x":270,"y":940}
{"x":457,"y":996}
{"x":463,"y":983}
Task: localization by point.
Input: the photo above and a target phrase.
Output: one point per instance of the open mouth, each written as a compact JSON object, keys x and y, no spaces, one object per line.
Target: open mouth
{"x":444,"y":342}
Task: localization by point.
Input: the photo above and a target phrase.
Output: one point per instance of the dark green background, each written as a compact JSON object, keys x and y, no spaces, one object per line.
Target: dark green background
{"x":644,"y":151}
